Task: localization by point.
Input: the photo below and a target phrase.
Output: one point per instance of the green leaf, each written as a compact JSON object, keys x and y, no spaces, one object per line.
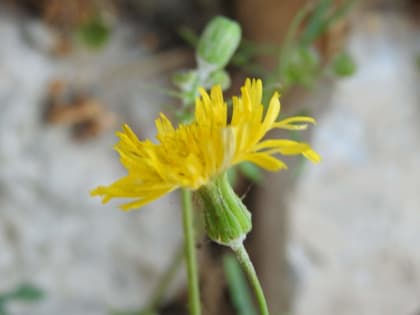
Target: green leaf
{"x":138,"y":312}
{"x":317,"y":23}
{"x":238,"y":287}
{"x":344,"y":65}
{"x":188,"y":35}
{"x":245,"y":54}
{"x":94,"y":33}
{"x":26,"y":292}
{"x":341,"y":11}
{"x":325,"y":14}
{"x":301,"y":68}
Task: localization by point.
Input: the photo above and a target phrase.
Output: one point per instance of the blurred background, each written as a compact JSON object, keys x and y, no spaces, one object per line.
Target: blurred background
{"x":337,"y":238}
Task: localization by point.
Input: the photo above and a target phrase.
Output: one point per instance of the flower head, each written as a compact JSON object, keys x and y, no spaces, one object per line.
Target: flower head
{"x":192,"y":155}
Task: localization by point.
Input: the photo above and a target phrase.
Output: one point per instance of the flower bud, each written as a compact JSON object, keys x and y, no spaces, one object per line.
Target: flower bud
{"x":227,"y":220}
{"x":217,"y":44}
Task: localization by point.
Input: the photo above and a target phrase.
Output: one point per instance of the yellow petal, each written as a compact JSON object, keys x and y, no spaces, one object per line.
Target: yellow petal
{"x":236,"y":111}
{"x":138,"y":203}
{"x":163,"y":125}
{"x":254,"y":89}
{"x":217,"y":94}
{"x":283,"y":146}
{"x":312,"y":156}
{"x":295,"y":127}
{"x":266,"y":161}
{"x":229,"y":145}
{"x":100,"y":191}
{"x":129,"y":132}
{"x":294,"y":123}
{"x":193,"y":154}
{"x":272,"y":112}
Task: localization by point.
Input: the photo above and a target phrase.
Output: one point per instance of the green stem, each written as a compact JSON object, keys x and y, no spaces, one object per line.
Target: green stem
{"x":190,"y":254}
{"x":246,"y":263}
{"x":290,"y":37}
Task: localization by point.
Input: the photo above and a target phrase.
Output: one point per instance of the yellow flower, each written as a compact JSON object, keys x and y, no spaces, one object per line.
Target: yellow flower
{"x":194,"y":154}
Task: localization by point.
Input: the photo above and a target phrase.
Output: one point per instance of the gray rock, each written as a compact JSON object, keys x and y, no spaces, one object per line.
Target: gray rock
{"x":355,"y":217}
{"x":87,"y":257}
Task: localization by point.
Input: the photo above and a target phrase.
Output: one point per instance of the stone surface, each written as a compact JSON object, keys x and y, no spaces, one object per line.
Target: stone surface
{"x":87,"y":257}
{"x":355,"y":218}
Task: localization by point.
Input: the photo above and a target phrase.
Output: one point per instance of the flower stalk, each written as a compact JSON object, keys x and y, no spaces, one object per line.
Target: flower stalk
{"x":228,"y":222}
{"x":190,"y":254}
{"x":246,"y":263}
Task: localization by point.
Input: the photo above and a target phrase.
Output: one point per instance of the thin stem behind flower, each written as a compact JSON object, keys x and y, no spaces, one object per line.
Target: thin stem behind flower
{"x":190,"y":254}
{"x":246,"y":263}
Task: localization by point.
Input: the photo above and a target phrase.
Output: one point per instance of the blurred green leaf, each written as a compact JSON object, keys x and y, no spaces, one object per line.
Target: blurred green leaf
{"x":341,"y":11}
{"x":316,"y":24}
{"x":290,"y":39}
{"x":248,"y":50}
{"x":301,"y":68}
{"x":238,"y":286}
{"x":94,"y":33}
{"x":244,"y":55}
{"x":251,"y":171}
{"x":141,"y":312}
{"x":324,"y":15}
{"x":26,"y":292}
{"x":299,"y":62}
{"x":344,"y":65}
{"x":188,"y":35}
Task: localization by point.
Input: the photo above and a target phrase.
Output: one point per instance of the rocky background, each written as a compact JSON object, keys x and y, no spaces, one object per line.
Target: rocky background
{"x":355,"y":218}
{"x":339,"y":238}
{"x":87,"y":257}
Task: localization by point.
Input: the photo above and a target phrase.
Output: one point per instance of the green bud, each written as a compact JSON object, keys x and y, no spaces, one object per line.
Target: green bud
{"x":227,"y":220}
{"x":218,"y":43}
{"x":218,"y":77}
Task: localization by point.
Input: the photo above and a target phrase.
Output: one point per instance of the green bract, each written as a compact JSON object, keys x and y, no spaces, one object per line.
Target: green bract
{"x":227,"y":220}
